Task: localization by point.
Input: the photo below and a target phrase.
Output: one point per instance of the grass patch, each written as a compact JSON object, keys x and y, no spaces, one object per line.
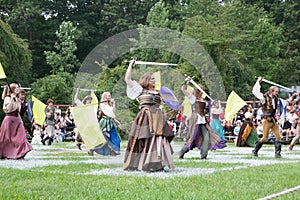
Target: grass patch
{"x":193,"y":163}
{"x":74,"y":168}
{"x":249,"y":183}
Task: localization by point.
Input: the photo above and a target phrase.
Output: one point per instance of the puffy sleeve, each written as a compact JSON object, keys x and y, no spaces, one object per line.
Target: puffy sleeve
{"x":108,"y":110}
{"x":134,"y":91}
{"x":256,"y":92}
{"x":78,"y":102}
{"x":10,"y":105}
{"x":191,"y":98}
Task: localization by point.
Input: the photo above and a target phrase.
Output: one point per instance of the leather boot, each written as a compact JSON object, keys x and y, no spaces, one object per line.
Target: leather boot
{"x":44,"y":140}
{"x":277,"y":149}
{"x":79,"y":146}
{"x":50,"y":141}
{"x":257,"y":148}
{"x":183,"y":150}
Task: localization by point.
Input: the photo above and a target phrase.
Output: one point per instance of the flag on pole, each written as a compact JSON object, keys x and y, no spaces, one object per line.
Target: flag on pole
{"x":157,"y":76}
{"x":87,"y":125}
{"x":94,"y":101}
{"x":187,"y":107}
{"x":38,"y":111}
{"x":2,"y":73}
{"x":282,"y":109}
{"x":29,"y":111}
{"x":233,"y":105}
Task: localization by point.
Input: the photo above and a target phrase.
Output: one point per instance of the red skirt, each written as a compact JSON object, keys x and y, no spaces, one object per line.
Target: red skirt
{"x":13,"y":142}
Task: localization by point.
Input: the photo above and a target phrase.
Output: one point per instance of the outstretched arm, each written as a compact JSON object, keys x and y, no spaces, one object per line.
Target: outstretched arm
{"x":256,"y":90}
{"x":128,"y":80}
{"x":184,"y":87}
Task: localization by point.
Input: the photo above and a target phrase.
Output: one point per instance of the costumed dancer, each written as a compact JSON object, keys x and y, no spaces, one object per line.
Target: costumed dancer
{"x":215,"y":123}
{"x":50,"y":122}
{"x":148,"y":147}
{"x":269,"y":103}
{"x":248,"y":134}
{"x":297,"y":136}
{"x":13,"y":142}
{"x":200,"y":134}
{"x":108,"y":125}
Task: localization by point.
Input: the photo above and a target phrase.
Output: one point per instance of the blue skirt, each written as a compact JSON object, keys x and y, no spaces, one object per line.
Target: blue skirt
{"x":112,"y":147}
{"x":216,"y":125}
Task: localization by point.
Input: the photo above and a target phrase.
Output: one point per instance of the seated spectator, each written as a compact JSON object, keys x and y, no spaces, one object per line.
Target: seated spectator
{"x":36,"y":135}
{"x":286,"y":129}
{"x":237,"y":127}
{"x":228,"y":127}
{"x":58,"y":134}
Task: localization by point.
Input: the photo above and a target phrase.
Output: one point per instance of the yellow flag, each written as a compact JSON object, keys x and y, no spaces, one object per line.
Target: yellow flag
{"x":87,"y":125}
{"x":2,"y":73}
{"x":233,"y":105}
{"x":157,"y":80}
{"x":187,"y":107}
{"x":38,"y":111}
{"x":94,"y":101}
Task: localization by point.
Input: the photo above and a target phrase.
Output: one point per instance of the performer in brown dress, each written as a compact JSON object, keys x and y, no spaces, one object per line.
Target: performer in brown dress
{"x":13,"y":142}
{"x":148,"y":147}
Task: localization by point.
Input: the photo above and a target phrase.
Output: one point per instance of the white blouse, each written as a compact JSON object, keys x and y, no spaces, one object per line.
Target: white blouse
{"x":134,"y":91}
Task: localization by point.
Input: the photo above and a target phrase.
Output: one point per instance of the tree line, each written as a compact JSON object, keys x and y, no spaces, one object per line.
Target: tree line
{"x":43,"y":42}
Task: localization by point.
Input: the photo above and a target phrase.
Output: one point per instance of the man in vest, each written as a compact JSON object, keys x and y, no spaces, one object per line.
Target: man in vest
{"x":269,"y":103}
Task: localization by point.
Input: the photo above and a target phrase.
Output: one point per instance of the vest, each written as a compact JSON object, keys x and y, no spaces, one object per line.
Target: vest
{"x":268,"y":109}
{"x":199,"y":107}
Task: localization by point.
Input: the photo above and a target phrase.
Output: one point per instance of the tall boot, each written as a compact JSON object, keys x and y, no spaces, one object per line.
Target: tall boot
{"x":50,"y":141}
{"x":257,"y":148}
{"x":183,"y":150}
{"x":44,"y":140}
{"x":277,"y":149}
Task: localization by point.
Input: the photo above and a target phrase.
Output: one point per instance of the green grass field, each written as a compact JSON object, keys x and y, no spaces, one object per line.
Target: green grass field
{"x":61,"y":171}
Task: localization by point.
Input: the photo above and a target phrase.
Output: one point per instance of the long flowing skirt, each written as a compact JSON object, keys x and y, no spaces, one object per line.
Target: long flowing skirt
{"x":216,"y":125}
{"x":197,"y":140}
{"x":148,"y":147}
{"x":112,"y":147}
{"x":13,"y":142}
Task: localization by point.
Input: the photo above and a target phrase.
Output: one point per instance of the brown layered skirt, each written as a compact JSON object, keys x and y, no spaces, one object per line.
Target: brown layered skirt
{"x":148,"y":147}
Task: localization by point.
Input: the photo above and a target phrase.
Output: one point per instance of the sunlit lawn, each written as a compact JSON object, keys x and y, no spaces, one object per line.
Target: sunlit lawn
{"x":72,"y":174}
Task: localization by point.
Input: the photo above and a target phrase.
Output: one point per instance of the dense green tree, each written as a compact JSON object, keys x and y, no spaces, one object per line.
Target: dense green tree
{"x":59,"y":84}
{"x":15,"y":57}
{"x":28,"y":20}
{"x":64,"y":58}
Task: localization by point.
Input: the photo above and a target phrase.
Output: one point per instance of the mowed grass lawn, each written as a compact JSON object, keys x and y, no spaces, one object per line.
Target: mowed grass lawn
{"x":61,"y":171}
